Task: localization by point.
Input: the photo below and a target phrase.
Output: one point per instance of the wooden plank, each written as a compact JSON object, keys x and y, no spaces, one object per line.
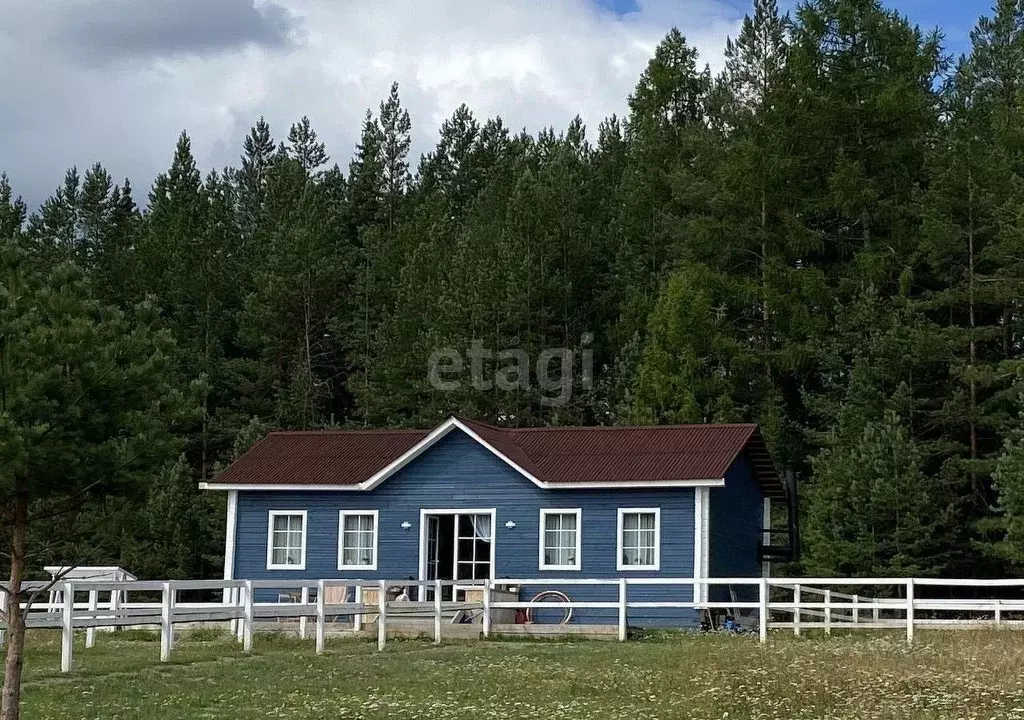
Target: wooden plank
{"x":623,"y":605}
{"x":382,"y":619}
{"x":910,"y":612}
{"x":320,"y":617}
{"x":304,"y":599}
{"x":90,"y":634}
{"x":762,"y":611}
{"x":166,"y":624}
{"x":437,"y":612}
{"x":67,"y":637}
{"x":247,"y":618}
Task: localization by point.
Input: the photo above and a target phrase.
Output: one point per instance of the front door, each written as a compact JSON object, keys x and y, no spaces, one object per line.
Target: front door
{"x":456,"y":545}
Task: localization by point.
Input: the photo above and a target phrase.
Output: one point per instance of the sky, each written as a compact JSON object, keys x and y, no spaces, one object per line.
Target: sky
{"x":116,"y":81}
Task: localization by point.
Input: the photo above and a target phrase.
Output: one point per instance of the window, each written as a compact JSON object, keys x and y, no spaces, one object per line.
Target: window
{"x":286,"y":540}
{"x":474,"y":540}
{"x":639,"y":539}
{"x":357,"y":540}
{"x":560,"y":540}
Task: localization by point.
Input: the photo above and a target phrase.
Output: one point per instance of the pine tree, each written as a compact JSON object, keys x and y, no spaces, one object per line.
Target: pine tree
{"x":686,"y":372}
{"x":54,"y":229}
{"x":259,"y":153}
{"x":189,"y":256}
{"x":452,"y":173}
{"x":969,"y":265}
{"x":379,"y":187}
{"x":303,"y":147}
{"x":738,"y":228}
{"x":1009,"y":479}
{"x":873,"y":511}
{"x":87,"y":400}
{"x":366,"y":179}
{"x":301,"y":272}
{"x":667,"y":123}
{"x":115,"y":262}
{"x":395,"y":140}
{"x":13,"y":210}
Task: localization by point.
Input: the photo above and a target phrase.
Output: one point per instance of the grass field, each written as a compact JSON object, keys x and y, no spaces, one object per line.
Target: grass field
{"x":945,"y":675}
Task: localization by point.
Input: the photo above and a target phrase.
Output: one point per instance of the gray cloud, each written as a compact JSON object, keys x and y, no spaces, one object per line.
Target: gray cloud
{"x":115,"y":81}
{"x":99,"y":31}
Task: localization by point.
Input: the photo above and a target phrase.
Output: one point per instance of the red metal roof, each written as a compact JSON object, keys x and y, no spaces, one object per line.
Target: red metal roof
{"x":319,"y":457}
{"x":558,"y":455}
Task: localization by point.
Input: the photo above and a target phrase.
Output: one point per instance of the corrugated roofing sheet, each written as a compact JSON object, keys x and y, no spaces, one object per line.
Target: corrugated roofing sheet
{"x":320,"y":457}
{"x":560,"y":455}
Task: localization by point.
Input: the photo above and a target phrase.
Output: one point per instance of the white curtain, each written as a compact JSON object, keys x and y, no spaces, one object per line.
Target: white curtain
{"x":482,"y":527}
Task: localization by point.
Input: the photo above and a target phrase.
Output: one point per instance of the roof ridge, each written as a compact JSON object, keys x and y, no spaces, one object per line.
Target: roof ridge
{"x":701,"y":426}
{"x":545,"y":428}
{"x":351,"y":431}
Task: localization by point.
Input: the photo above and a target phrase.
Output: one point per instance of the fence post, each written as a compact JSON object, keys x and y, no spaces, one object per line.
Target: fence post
{"x":487,"y":608}
{"x":115,"y":609}
{"x":3,"y":606}
{"x":763,"y":609}
{"x":166,"y":627}
{"x":247,"y":619}
{"x":321,"y":618}
{"x":828,"y":612}
{"x":437,"y":611}
{"x":67,"y":638}
{"x":622,"y":609}
{"x":876,"y":612}
{"x":231,"y":599}
{"x":90,"y":633}
{"x":240,"y":622}
{"x":796,"y":610}
{"x":357,"y":619}
{"x":382,"y":610}
{"x":998,"y":611}
{"x":304,"y":599}
{"x":910,"y":611}
{"x":856,"y":610}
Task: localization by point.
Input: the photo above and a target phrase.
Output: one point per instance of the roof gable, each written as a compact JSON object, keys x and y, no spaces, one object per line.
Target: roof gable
{"x":551,"y":458}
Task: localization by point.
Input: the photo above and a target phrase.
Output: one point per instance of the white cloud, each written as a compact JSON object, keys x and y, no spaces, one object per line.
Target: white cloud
{"x":534,"y":62}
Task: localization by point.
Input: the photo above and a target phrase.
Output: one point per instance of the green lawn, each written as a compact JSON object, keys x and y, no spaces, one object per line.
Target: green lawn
{"x":946,"y":675}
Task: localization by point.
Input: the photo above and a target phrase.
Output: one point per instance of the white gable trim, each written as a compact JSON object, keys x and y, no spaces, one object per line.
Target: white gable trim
{"x":437,"y":434}
{"x":229,"y":535}
{"x":429,"y":441}
{"x":296,"y":487}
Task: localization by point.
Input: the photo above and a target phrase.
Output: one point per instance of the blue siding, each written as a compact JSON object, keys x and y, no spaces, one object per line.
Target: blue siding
{"x":735,"y":528}
{"x":458,"y":473}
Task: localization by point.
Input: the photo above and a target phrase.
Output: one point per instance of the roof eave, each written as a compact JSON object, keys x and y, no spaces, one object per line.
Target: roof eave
{"x":617,"y":485}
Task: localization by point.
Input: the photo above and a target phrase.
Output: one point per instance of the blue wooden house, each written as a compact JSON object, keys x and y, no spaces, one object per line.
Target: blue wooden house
{"x":468,"y":501}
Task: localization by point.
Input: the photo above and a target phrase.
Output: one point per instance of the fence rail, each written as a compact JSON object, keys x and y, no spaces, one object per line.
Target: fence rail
{"x":795,"y":604}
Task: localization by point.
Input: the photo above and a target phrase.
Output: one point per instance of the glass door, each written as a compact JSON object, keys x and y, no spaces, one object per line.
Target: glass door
{"x":455,"y":546}
{"x":474,"y":538}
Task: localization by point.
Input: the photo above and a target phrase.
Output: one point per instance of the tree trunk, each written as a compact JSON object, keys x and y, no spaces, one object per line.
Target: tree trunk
{"x":765,"y":310}
{"x":973,"y":347}
{"x":10,"y":708}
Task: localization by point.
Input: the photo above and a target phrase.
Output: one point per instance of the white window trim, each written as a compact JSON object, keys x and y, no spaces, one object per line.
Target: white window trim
{"x":270,"y":539}
{"x":657,"y":541}
{"x":579,"y":538}
{"x":341,"y":536}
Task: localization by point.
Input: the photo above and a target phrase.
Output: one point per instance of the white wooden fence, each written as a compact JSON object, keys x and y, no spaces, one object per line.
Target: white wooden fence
{"x":795,"y":604}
